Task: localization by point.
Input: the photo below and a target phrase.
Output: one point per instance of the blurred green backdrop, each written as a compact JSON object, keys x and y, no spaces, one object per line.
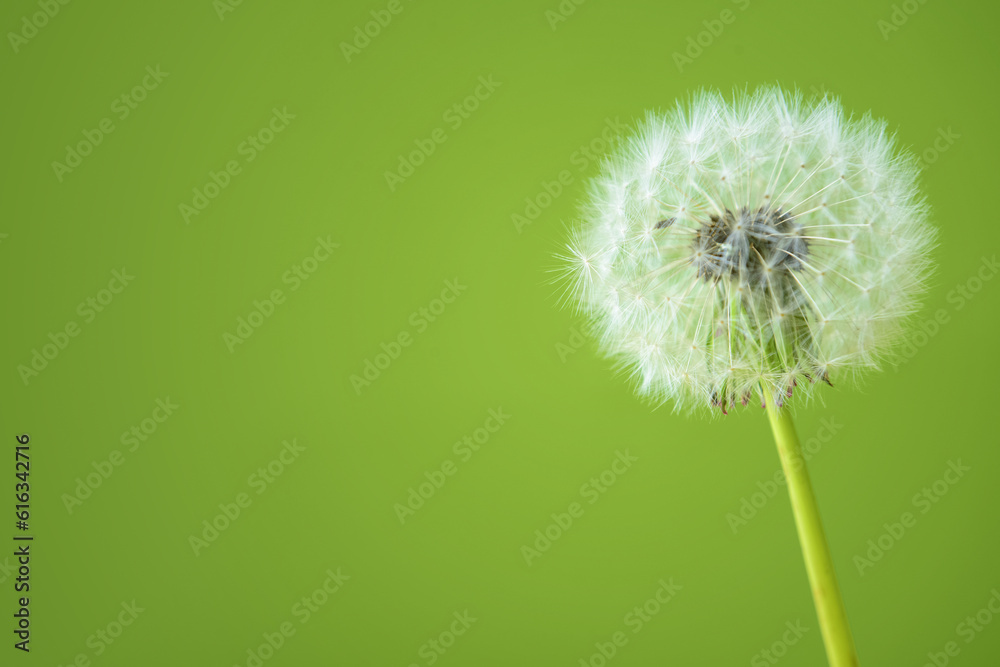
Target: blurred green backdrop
{"x":217,"y":302}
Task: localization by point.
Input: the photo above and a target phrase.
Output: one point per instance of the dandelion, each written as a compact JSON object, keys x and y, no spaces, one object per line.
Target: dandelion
{"x":748,"y":251}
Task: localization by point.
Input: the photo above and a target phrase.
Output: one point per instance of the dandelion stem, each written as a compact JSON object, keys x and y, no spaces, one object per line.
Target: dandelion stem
{"x":833,"y":623}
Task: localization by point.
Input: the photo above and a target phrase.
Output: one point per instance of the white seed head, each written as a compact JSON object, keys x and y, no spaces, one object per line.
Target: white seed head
{"x":730,"y":251}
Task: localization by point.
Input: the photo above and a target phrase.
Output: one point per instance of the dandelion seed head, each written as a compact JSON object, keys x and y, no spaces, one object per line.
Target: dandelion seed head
{"x":751,"y":247}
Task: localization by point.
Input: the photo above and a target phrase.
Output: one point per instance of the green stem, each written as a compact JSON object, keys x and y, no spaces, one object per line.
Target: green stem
{"x":823,"y":580}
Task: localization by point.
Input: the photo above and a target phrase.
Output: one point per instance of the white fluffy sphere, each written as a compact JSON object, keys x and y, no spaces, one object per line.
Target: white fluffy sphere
{"x":733,"y":250}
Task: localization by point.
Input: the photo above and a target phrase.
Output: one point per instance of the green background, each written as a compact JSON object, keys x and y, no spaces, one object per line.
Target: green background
{"x":503,"y":343}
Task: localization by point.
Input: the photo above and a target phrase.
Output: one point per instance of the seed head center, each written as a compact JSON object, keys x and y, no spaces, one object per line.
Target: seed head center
{"x":754,"y":246}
